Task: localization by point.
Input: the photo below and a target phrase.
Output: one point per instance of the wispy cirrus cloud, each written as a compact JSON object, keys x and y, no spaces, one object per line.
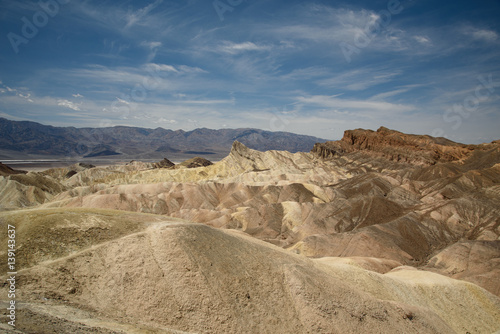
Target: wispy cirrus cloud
{"x":361,"y":78}
{"x":153,"y":47}
{"x":485,"y":35}
{"x":151,"y":44}
{"x":336,"y":103}
{"x":422,"y":39}
{"x":154,"y":76}
{"x":134,"y":17}
{"x":236,"y":48}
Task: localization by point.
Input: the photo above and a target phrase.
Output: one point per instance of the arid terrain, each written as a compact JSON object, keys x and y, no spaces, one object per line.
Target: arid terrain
{"x":379,"y":232}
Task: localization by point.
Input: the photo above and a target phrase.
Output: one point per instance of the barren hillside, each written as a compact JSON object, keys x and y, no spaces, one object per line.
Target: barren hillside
{"x":109,"y":271}
{"x":378,"y":232}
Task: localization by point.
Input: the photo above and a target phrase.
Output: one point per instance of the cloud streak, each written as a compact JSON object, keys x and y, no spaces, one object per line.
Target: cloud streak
{"x":336,"y":103}
{"x":68,"y":104}
{"x":134,"y":17}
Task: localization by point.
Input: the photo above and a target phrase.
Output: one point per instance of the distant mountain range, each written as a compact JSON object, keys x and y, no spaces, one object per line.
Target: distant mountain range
{"x":24,"y":140}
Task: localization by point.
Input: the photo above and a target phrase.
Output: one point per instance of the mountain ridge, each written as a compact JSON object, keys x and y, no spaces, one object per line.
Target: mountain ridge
{"x":400,"y":147}
{"x":123,"y":142}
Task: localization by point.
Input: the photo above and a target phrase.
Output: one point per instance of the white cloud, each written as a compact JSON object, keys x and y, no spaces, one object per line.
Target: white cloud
{"x":332,"y":26}
{"x":382,"y":96}
{"x":307,"y":73}
{"x":235,"y":48}
{"x":68,"y":104}
{"x":161,"y":67}
{"x":122,"y":101}
{"x":77,"y":95}
{"x":207,"y":102}
{"x":477,"y":34}
{"x":26,"y":97}
{"x":134,"y":17}
{"x":151,"y":45}
{"x":483,"y":34}
{"x":176,"y":69}
{"x":360,"y":79}
{"x":166,"y":121}
{"x":189,"y":69}
{"x":123,"y":19}
{"x":354,"y":105}
{"x":422,"y":39}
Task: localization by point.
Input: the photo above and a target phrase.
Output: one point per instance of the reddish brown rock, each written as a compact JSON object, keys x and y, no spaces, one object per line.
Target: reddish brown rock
{"x":398,"y":146}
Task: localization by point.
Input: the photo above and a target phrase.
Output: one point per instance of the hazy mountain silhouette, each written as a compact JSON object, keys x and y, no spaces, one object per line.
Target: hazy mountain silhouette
{"x":21,"y":139}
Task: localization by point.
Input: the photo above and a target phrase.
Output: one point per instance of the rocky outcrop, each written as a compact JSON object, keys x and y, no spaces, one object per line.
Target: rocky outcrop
{"x":165,"y":163}
{"x":25,"y":190}
{"x":6,"y":170}
{"x":63,"y":173}
{"x":195,"y":163}
{"x":397,"y":146}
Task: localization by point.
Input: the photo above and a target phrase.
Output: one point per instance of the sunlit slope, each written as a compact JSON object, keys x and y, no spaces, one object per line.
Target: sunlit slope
{"x":194,"y":278}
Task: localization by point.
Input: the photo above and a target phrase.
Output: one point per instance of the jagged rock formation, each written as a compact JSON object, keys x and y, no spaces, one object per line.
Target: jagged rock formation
{"x":6,"y":170}
{"x":195,"y":163}
{"x":24,"y":190}
{"x":67,"y":172}
{"x":396,"y":146}
{"x":110,"y":271}
{"x":165,"y":163}
{"x":378,"y":202}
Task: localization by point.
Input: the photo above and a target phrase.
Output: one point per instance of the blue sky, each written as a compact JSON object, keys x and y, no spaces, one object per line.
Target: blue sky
{"x":309,"y":67}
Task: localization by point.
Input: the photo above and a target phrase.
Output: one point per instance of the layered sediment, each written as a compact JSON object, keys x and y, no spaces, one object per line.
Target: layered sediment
{"x":401,"y":231}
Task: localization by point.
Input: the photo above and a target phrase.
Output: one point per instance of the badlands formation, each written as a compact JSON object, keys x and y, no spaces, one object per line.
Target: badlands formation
{"x":380,"y":232}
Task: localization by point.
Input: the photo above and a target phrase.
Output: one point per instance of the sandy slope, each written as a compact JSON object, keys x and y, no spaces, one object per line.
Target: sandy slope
{"x":190,"y":277}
